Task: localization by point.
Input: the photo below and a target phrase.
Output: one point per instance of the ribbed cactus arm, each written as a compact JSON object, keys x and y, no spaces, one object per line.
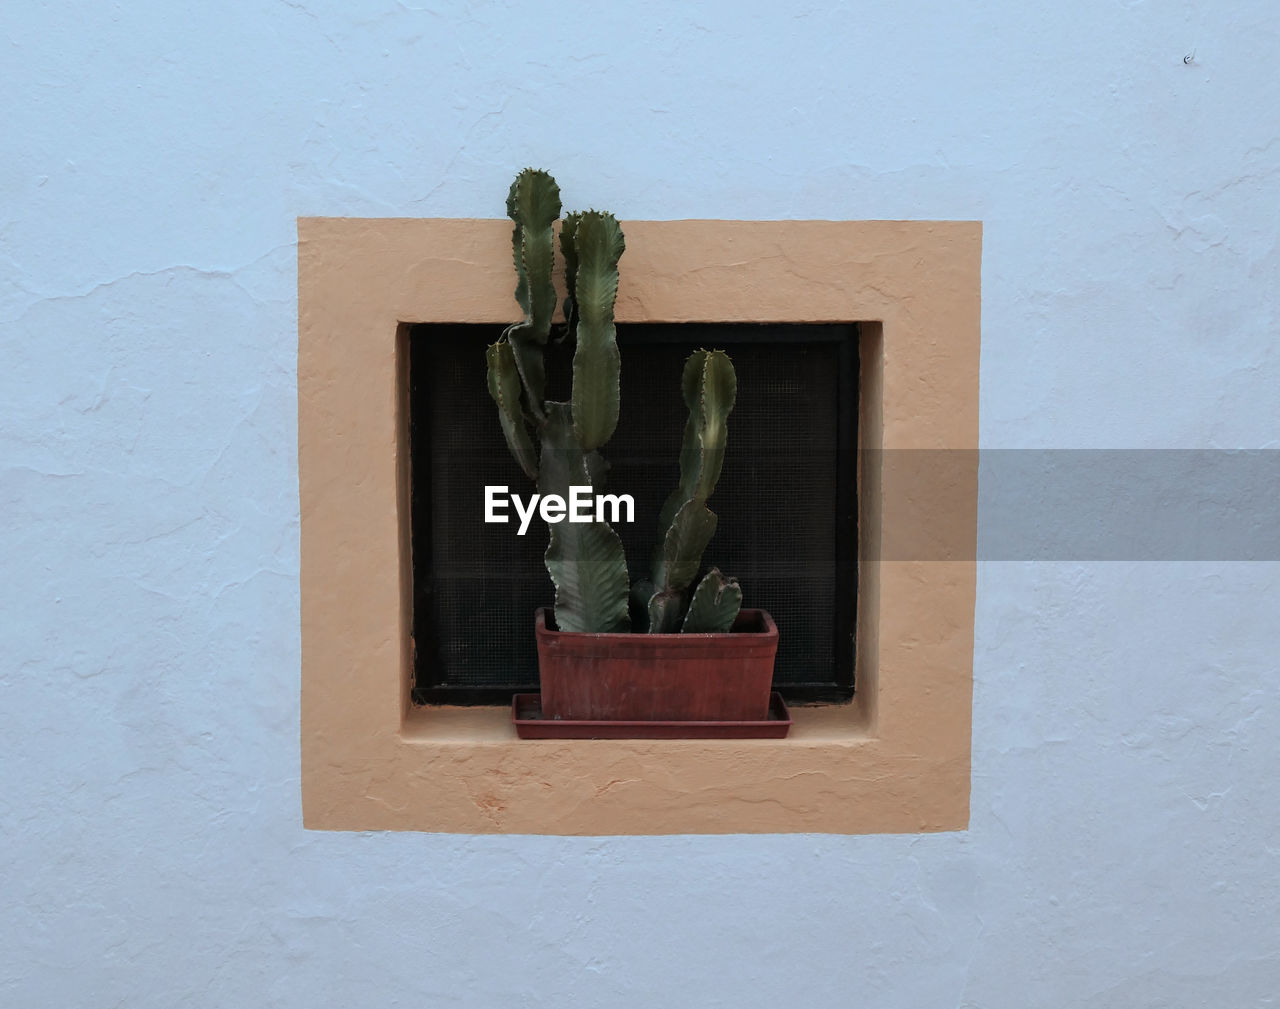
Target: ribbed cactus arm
{"x":680,"y":554}
{"x":691,"y":444}
{"x":598,"y":244}
{"x":676,"y":563}
{"x":714,"y":605}
{"x":504,"y":389}
{"x":685,"y":524}
{"x":719,"y":391}
{"x":585,"y":559}
{"x":533,"y":203}
{"x":710,"y":388}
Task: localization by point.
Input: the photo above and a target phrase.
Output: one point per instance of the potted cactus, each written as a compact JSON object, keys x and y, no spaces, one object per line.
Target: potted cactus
{"x":670,"y":646}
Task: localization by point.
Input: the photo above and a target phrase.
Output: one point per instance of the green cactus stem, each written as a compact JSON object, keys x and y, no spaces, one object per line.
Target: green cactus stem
{"x":597,"y":243}
{"x":641,"y":594}
{"x":533,"y":203}
{"x":685,"y":524}
{"x":585,"y":559}
{"x":568,"y":249}
{"x":504,"y":389}
{"x":676,"y":564}
{"x":714,"y":605}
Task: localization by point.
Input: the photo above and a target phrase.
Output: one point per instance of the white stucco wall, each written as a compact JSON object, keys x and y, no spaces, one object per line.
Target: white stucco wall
{"x":1125,"y":834}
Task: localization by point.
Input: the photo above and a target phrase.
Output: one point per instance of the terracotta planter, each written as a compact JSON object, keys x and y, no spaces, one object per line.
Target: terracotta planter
{"x":658,"y":677}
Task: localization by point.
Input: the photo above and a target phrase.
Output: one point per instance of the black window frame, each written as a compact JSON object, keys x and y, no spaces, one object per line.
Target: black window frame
{"x":840,"y":686}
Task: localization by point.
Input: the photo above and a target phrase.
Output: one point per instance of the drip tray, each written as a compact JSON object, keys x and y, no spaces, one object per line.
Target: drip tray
{"x":526,"y":715}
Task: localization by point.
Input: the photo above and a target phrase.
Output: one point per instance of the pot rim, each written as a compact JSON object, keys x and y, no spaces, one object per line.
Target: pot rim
{"x":770,"y":630}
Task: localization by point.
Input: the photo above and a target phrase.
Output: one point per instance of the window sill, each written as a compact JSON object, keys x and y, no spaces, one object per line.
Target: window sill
{"x":464,"y":767}
{"x":444,"y":725}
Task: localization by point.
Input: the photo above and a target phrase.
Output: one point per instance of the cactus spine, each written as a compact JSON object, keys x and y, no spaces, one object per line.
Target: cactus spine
{"x":586,"y":560}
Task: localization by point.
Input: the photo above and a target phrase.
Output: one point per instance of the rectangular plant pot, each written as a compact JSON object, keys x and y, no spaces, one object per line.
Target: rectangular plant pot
{"x":526,"y":716}
{"x":658,"y":677}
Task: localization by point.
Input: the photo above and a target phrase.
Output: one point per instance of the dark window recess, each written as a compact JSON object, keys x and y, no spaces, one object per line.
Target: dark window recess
{"x":785,"y":501}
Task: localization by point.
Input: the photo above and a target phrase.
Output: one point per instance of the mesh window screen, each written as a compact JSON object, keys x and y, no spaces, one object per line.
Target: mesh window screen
{"x":784,"y":500}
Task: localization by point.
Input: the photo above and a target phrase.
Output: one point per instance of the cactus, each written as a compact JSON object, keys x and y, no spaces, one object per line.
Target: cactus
{"x":505,"y":389}
{"x":586,"y":560}
{"x":714,"y":605}
{"x":533,"y":203}
{"x":685,"y":523}
{"x":598,"y":245}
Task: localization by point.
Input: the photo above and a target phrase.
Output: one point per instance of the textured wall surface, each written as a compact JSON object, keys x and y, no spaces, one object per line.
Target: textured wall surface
{"x":1126,"y":828}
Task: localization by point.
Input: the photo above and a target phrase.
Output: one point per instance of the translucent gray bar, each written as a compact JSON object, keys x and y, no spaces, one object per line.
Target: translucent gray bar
{"x":1076,"y":504}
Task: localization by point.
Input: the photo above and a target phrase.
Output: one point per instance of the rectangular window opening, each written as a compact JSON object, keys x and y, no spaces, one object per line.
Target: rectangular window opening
{"x":786,"y":498}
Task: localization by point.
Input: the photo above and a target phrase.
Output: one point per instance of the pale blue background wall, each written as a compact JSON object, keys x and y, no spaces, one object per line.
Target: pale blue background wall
{"x":1126,"y":825}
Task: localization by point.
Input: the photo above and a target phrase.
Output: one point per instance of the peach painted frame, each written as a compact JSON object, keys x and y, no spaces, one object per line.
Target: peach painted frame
{"x":895,"y":760}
